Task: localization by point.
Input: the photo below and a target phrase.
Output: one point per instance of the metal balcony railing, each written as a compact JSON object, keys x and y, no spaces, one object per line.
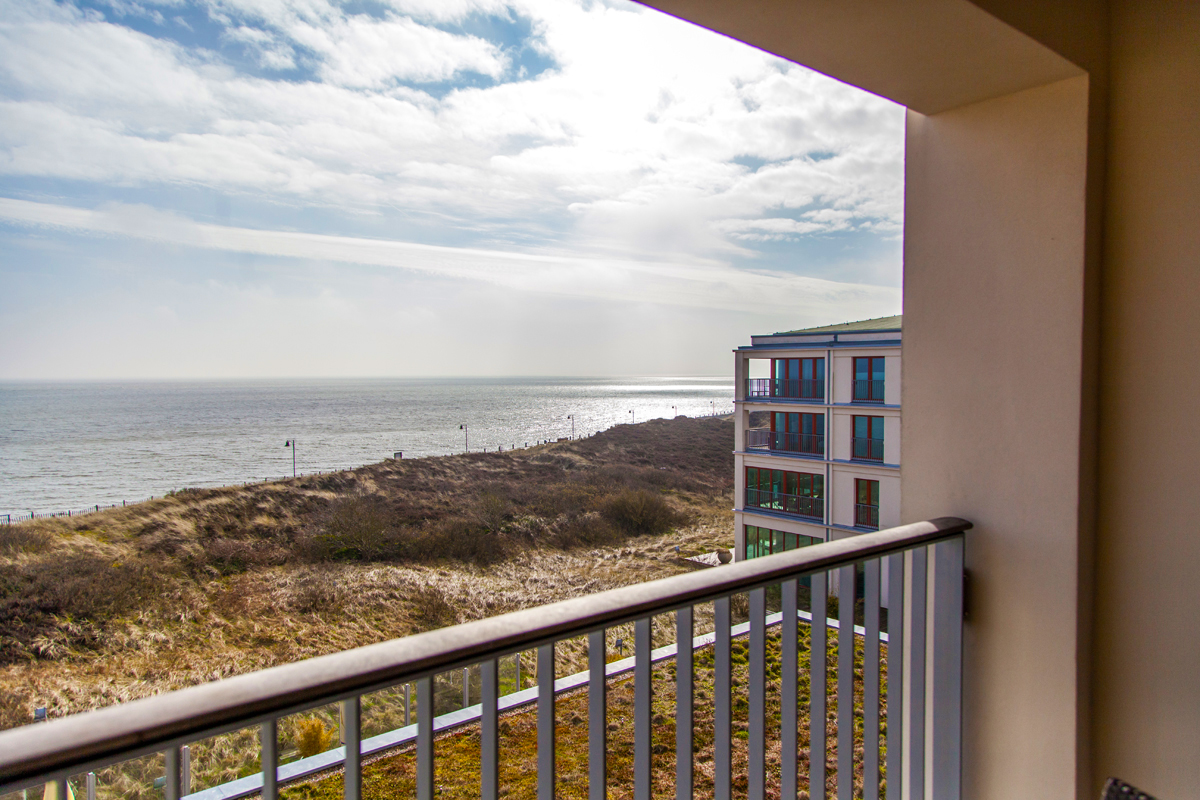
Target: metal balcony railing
{"x":868,"y":391}
{"x":864,"y":449}
{"x":812,"y":444}
{"x":866,"y":516}
{"x":782,"y":388}
{"x":800,"y":505}
{"x":922,"y":562}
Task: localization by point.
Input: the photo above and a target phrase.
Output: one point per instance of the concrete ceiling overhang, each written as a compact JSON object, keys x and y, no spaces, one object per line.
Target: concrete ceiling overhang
{"x":928,"y":55}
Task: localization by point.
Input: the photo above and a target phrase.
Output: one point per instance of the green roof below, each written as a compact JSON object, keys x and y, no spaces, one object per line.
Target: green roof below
{"x":877,"y":324}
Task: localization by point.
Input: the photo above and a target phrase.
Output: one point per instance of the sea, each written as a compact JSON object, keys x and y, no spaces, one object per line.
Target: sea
{"x":70,"y":446}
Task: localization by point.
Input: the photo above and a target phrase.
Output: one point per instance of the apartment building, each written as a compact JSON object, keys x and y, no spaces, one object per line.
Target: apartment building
{"x":817,"y":447}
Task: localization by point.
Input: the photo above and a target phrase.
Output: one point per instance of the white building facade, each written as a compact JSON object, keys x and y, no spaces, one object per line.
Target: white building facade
{"x":817,"y":441}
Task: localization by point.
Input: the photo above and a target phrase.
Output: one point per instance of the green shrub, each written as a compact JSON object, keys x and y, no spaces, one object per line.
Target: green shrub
{"x":492,"y":510}
{"x":640,"y":512}
{"x":585,"y":530}
{"x":312,"y":737}
{"x":231,"y":556}
{"x":357,"y":528}
{"x":36,"y":598}
{"x":459,"y":540}
{"x":314,"y":591}
{"x":430,"y":608}
{"x":16,"y":539}
{"x":90,"y":587}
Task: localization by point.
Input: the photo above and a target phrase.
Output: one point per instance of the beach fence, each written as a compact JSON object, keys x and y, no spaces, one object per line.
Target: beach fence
{"x":27,"y":516}
{"x":720,"y":412}
{"x":12,"y":519}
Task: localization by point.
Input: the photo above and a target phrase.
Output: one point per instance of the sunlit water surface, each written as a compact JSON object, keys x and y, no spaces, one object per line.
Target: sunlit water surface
{"x":70,"y":445}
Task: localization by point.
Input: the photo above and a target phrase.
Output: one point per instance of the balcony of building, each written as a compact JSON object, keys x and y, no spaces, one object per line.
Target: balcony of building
{"x":866,"y":516}
{"x":865,"y":448}
{"x":868,"y":391}
{"x":807,"y":507}
{"x":806,"y":444}
{"x":768,"y":389}
{"x":762,"y":541}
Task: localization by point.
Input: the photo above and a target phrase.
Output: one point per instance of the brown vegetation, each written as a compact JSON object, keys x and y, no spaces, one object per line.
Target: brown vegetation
{"x":208,"y":583}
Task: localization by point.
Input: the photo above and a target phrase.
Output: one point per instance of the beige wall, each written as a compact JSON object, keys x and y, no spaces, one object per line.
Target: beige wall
{"x":893,"y":382}
{"x":1147,"y":643}
{"x":994,"y":259}
{"x":842,"y":364}
{"x":838,"y":445}
{"x":816,"y":530}
{"x":764,"y":461}
{"x":892,"y":427}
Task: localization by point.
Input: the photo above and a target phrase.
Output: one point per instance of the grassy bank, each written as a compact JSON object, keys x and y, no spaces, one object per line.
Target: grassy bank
{"x":209,"y":583}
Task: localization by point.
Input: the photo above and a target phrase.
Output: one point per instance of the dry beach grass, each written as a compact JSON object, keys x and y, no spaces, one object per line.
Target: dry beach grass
{"x":205,"y":584}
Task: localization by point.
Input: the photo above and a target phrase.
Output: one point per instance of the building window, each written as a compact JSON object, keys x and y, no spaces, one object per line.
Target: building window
{"x":867,"y":441}
{"x":866,"y":503}
{"x":798,"y":493}
{"x":800,"y":378}
{"x":868,"y":379}
{"x":798,"y":433}
{"x":764,"y":541}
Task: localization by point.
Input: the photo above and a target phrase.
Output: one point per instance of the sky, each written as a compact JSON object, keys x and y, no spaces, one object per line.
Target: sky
{"x":277,"y":188}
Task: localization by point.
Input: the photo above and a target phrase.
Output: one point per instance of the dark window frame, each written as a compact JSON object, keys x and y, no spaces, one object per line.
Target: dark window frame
{"x":758,"y":535}
{"x":809,"y":442}
{"x":863,"y":517}
{"x":871,"y":388}
{"x":863,"y":448}
{"x":787,"y":378}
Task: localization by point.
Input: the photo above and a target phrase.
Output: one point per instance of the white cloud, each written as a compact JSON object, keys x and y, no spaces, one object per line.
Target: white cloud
{"x":770,"y":229}
{"x":449,"y":10}
{"x":272,"y":53}
{"x":689,"y":284}
{"x":632,"y":145}
{"x":357,"y":50}
{"x":370,"y":54}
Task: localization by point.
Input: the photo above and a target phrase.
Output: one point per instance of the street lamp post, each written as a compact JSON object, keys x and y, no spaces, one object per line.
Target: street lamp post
{"x":292,"y":444}
{"x":572,"y":418}
{"x":675,"y":410}
{"x":466,"y":438}
{"x":632,"y":417}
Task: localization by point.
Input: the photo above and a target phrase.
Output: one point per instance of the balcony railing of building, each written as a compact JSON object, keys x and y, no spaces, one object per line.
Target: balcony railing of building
{"x":868,"y":391}
{"x":800,"y":505}
{"x":923,"y":563}
{"x":864,"y":449}
{"x":810,"y":444}
{"x":783,"y":388}
{"x":866,"y":516}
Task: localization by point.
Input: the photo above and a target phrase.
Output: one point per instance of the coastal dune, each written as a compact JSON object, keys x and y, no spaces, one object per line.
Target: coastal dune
{"x":208,"y":583}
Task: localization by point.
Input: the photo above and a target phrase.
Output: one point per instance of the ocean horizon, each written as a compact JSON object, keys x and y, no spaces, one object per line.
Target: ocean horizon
{"x":72,"y":444}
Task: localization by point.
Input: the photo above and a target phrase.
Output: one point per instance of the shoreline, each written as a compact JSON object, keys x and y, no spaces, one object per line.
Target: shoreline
{"x":17,"y":517}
